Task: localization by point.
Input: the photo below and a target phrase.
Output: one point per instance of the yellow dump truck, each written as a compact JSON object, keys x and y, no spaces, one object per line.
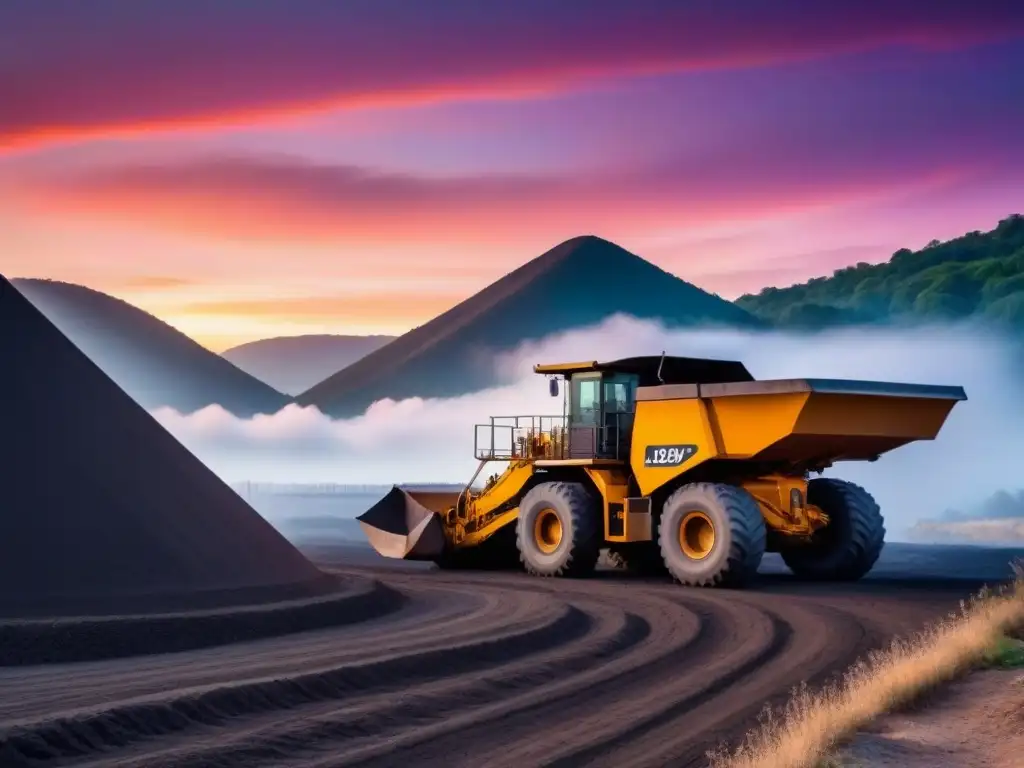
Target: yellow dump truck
{"x":671,"y":463}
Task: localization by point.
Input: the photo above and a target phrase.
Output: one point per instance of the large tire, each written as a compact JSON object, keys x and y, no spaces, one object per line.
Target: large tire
{"x":576,"y":515}
{"x":848,"y":547}
{"x":730,"y":554}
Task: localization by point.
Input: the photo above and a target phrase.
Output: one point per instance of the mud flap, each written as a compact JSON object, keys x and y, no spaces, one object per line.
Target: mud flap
{"x":400,"y":527}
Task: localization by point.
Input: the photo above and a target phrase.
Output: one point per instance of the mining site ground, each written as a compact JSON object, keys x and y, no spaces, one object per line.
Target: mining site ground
{"x":485,"y":669}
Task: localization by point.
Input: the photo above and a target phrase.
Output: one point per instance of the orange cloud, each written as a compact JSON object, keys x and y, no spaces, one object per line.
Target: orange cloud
{"x":281,"y":114}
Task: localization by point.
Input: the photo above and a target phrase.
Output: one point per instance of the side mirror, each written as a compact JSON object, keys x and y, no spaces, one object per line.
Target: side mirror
{"x":553,"y":387}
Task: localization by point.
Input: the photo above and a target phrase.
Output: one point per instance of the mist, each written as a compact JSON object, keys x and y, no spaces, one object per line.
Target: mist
{"x":1002,"y":505}
{"x":418,"y":441}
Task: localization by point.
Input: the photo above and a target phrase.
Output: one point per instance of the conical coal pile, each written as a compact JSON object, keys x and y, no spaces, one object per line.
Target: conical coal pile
{"x":102,"y":510}
{"x":400,"y":527}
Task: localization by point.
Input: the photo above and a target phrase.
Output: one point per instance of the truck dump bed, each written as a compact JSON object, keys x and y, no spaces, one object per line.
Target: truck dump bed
{"x":797,"y":420}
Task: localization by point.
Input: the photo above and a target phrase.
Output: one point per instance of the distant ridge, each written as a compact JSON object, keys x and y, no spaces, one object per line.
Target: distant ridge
{"x":293,"y":364}
{"x":579,"y":282}
{"x":978,"y":276}
{"x":154,"y":363}
{"x":103,"y":510}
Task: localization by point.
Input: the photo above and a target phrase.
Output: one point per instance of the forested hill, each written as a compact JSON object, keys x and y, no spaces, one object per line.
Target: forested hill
{"x":979,"y":275}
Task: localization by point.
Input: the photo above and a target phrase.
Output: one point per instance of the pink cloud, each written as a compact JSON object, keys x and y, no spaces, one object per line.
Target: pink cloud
{"x":291,"y":200}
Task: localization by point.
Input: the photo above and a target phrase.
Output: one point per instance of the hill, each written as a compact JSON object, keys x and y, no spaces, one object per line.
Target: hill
{"x":997,"y":520}
{"x":579,"y":282}
{"x":154,"y":363}
{"x":102,"y":510}
{"x":293,"y":364}
{"x":979,"y":275}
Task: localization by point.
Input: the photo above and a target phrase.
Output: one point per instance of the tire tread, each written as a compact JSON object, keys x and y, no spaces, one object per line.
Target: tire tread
{"x":748,"y":534}
{"x":586,"y":535}
{"x":867,"y":535}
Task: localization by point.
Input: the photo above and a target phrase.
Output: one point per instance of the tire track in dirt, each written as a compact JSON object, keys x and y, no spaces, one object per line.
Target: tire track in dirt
{"x":475,"y":669}
{"x":47,"y":641}
{"x":531,"y":728}
{"x":514,"y":628}
{"x":809,"y":645}
{"x":381,"y":713}
{"x":452,"y":613}
{"x":736,"y":640}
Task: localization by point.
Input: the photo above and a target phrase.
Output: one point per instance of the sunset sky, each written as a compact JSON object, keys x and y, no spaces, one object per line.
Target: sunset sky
{"x":250,"y":168}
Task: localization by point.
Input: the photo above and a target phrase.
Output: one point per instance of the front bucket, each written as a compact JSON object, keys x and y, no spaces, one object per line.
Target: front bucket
{"x":398,"y":526}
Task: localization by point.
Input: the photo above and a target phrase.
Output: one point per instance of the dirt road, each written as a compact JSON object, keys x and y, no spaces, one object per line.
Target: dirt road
{"x":481,"y":670}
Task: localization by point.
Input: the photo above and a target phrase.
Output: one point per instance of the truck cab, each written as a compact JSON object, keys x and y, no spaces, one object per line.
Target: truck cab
{"x":600,"y":398}
{"x":599,"y":413}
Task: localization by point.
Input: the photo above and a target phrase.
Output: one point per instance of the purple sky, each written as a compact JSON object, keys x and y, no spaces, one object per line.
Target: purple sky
{"x":208,"y":159}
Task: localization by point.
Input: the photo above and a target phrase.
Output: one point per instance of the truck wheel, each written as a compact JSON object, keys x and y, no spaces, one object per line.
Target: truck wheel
{"x":711,"y":534}
{"x":846,"y":548}
{"x":558,"y":532}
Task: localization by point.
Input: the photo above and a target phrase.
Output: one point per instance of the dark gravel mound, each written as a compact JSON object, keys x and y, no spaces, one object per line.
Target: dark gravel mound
{"x":101,"y":510}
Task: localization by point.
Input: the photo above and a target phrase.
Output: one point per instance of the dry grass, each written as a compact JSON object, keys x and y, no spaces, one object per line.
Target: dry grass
{"x":807,"y":729}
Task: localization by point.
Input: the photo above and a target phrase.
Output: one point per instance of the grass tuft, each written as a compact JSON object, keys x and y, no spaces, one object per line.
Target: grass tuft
{"x":1006,"y":653}
{"x":805,"y":731}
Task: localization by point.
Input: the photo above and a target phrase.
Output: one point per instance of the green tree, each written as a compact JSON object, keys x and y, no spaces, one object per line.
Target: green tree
{"x":1009,"y":310}
{"x":975,"y":275}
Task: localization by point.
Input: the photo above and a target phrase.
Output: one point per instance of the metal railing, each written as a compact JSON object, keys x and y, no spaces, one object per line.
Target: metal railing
{"x":510,"y":438}
{"x":513,"y":438}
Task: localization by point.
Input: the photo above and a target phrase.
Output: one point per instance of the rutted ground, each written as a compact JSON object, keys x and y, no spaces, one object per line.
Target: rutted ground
{"x":472,"y":669}
{"x":978,"y":721}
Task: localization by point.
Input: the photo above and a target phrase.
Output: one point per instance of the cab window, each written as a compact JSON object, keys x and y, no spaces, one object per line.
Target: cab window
{"x":619,"y":393}
{"x":586,"y":400}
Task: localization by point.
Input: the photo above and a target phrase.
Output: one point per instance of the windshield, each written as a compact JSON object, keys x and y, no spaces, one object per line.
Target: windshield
{"x":619,"y":393}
